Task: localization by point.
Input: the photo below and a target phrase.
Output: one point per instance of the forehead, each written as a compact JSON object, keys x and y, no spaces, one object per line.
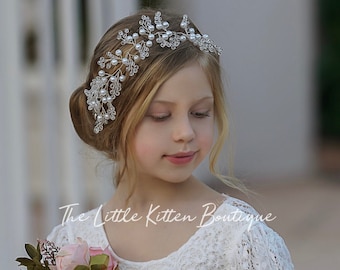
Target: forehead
{"x":190,"y":82}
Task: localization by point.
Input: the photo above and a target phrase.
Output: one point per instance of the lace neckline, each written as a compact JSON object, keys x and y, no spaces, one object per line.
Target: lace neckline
{"x":170,"y":255}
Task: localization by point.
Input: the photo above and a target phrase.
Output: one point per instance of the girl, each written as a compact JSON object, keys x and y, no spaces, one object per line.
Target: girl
{"x":151,"y":101}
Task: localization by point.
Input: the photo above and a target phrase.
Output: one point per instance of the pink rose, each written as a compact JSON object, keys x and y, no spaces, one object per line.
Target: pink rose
{"x":73,"y":255}
{"x":98,"y":251}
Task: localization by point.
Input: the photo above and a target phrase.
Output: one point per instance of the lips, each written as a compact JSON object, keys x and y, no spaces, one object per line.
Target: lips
{"x":181,"y":158}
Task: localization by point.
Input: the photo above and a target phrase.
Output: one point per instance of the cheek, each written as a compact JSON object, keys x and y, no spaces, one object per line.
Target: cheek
{"x":209,"y":140}
{"x":145,"y":142}
{"x":206,"y":137}
{"x":141,"y":146}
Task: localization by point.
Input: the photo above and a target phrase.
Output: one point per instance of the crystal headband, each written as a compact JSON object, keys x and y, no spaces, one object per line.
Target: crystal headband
{"x":105,"y":87}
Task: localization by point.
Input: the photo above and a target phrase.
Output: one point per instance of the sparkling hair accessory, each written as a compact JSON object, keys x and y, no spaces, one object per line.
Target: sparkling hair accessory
{"x":106,"y":86}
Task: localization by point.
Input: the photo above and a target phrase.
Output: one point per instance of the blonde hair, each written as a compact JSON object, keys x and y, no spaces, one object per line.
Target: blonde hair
{"x":115,"y":140}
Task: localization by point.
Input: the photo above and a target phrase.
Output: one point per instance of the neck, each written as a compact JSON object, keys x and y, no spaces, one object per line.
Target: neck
{"x":155,"y":191}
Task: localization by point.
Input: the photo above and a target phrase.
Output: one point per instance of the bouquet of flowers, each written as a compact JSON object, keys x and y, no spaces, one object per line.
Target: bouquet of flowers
{"x":78,"y":256}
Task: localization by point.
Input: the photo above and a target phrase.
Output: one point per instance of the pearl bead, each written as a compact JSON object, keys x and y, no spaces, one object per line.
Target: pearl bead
{"x":125,"y":61}
{"x":142,"y":31}
{"x":149,"y":43}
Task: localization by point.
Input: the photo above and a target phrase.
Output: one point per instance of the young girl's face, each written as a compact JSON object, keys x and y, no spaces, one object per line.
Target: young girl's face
{"x":176,"y":133}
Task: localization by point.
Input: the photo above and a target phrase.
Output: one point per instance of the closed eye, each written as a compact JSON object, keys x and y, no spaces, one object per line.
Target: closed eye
{"x":201,"y":114}
{"x":159,"y":117}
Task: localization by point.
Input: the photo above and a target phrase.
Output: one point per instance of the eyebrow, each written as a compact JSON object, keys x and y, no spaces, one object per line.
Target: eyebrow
{"x":170,"y":102}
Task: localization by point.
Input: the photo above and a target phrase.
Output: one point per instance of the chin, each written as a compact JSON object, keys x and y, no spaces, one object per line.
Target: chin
{"x":178,"y":179}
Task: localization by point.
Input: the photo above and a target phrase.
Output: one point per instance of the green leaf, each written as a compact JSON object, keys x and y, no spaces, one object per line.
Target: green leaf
{"x":99,"y":259}
{"x":31,"y":251}
{"x":31,"y":264}
{"x":98,"y":267}
{"x":82,"y":267}
{"x":39,"y":251}
{"x":37,"y":261}
{"x":25,"y":261}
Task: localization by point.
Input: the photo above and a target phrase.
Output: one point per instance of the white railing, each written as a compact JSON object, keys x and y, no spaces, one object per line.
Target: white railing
{"x":42,"y":161}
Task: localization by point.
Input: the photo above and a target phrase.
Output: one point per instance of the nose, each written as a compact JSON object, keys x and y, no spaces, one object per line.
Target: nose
{"x":183,"y":130}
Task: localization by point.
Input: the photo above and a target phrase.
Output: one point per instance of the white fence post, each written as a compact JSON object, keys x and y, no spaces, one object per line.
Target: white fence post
{"x":73,"y":178}
{"x":13,"y":191}
{"x":47,"y":69}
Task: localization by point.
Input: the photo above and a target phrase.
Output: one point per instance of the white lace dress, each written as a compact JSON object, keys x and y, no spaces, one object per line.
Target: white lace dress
{"x":223,"y":244}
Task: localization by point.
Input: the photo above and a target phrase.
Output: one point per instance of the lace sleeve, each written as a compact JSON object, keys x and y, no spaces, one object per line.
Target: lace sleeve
{"x":262,"y":248}
{"x":59,"y":236}
{"x":86,"y":228}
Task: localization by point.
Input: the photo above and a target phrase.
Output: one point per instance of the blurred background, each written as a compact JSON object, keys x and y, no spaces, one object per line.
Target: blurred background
{"x":282,"y":64}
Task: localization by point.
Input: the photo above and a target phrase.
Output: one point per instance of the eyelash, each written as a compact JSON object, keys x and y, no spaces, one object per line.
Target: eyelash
{"x":201,"y":114}
{"x":162,"y":118}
